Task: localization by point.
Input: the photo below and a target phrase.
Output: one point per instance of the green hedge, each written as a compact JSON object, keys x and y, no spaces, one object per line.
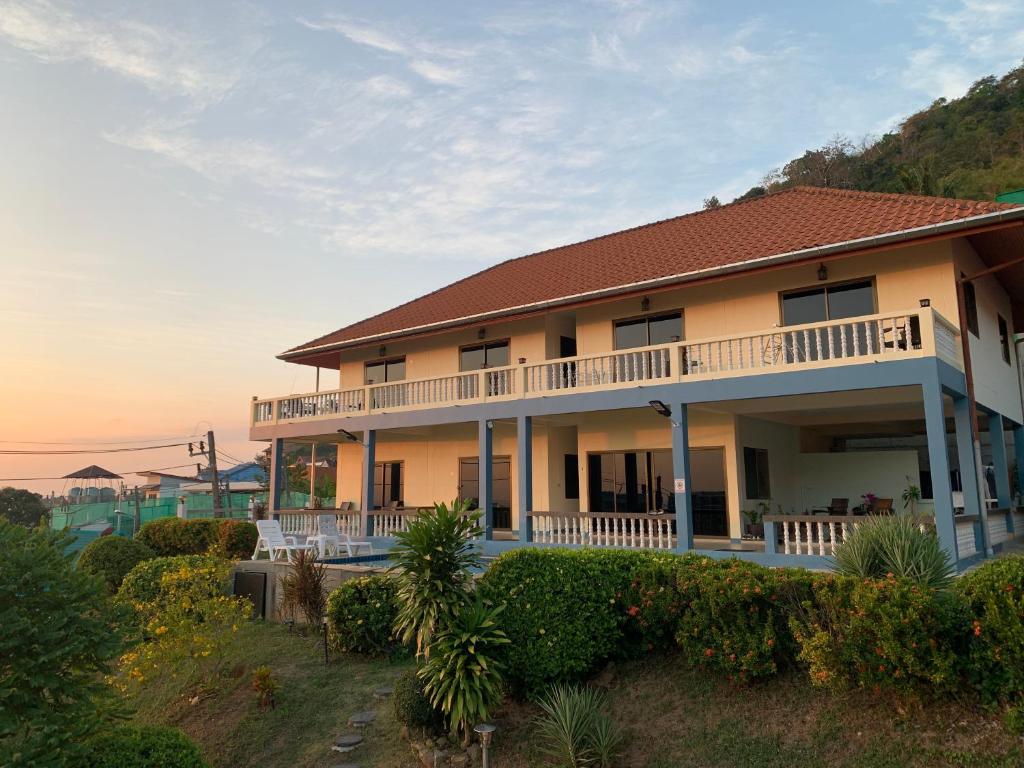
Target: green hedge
{"x":112,"y":557}
{"x":734,"y":615}
{"x":237,"y":539}
{"x":567,"y":609}
{"x":361,"y":615}
{"x":882,"y":634}
{"x":144,"y":746}
{"x":142,"y":583}
{"x":171,"y":536}
{"x":995,"y":596}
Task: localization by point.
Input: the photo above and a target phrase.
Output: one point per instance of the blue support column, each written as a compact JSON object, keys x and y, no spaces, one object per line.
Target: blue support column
{"x":681,"y":477}
{"x":486,"y":471}
{"x":1018,"y":454}
{"x":277,"y":476}
{"x":369,"y":461}
{"x":965,"y":453}
{"x":524,"y":449}
{"x":997,"y":438}
{"x":938,"y":456}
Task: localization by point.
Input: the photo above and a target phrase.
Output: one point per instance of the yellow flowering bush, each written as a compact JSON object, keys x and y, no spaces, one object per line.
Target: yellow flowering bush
{"x":187,"y":625}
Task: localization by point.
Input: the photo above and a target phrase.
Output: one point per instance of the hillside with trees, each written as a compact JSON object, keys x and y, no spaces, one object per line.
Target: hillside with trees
{"x":971,"y":147}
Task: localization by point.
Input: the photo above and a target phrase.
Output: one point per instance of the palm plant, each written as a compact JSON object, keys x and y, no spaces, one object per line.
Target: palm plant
{"x":895,"y":545}
{"x":433,"y":562}
{"x":574,"y":728}
{"x":462,"y":678}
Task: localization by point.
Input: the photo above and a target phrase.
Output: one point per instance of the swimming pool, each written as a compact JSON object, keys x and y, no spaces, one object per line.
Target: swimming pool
{"x":384,"y":561}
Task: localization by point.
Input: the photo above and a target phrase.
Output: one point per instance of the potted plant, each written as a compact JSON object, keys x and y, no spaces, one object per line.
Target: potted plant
{"x":755,"y":519}
{"x":867,"y":503}
{"x":911,"y":495}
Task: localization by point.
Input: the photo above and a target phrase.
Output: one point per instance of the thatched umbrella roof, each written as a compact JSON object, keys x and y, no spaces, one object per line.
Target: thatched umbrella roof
{"x":92,"y":472}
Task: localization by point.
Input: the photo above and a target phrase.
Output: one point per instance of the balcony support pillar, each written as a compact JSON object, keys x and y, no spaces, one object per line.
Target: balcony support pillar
{"x":524,"y":460}
{"x":938,"y":457}
{"x":681,"y":474}
{"x":485,"y":436}
{"x":369,"y":462}
{"x":997,"y":440}
{"x":277,"y":478}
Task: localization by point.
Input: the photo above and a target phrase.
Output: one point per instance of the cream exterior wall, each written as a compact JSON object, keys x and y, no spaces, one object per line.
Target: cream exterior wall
{"x":782,"y":441}
{"x":995,"y":381}
{"x":823,"y":476}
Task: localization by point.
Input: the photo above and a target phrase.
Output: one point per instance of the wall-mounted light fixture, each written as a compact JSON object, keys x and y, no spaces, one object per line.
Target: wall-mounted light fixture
{"x":645,"y":304}
{"x":522,"y":361}
{"x":481,"y":333}
{"x":822,"y":272}
{"x":925,"y":302}
{"x":382,"y":351}
{"x":661,"y":408}
{"x":490,"y":424}
{"x":348,"y":435}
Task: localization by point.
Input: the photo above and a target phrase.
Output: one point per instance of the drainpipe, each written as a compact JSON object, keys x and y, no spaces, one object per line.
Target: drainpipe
{"x":972,"y":407}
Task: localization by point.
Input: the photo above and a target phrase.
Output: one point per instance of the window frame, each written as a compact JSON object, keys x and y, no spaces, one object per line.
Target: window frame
{"x":826,"y":287}
{"x":648,"y":316}
{"x":754,"y":470}
{"x":1004,"y":337}
{"x":387,"y":466}
{"x":385,"y":361}
{"x":484,"y":344}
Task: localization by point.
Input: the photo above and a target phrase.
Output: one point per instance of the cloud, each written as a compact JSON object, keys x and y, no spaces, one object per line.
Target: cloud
{"x":357,"y":33}
{"x":607,"y":51}
{"x":930,"y":71}
{"x":164,"y":61}
{"x":437,"y":73}
{"x":388,"y":87}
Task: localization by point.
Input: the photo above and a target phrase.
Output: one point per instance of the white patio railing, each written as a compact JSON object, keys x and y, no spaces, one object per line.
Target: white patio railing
{"x":601,"y":529}
{"x":873,"y":338}
{"x":816,"y":534}
{"x":303,"y":522}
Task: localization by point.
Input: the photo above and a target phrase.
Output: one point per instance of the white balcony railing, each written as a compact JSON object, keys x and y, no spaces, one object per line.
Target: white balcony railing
{"x":872,"y":338}
{"x":601,"y":529}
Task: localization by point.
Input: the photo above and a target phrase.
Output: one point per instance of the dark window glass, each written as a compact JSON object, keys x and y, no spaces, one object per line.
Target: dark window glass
{"x":494,"y":354}
{"x":755,"y":469}
{"x":804,"y":307}
{"x":630,"y":333}
{"x":388,"y":483}
{"x":850,"y":300}
{"x":501,"y":487}
{"x":665,"y":329}
{"x":1004,"y":339}
{"x":970,"y":306}
{"x":572,"y":476}
{"x":382,"y":371}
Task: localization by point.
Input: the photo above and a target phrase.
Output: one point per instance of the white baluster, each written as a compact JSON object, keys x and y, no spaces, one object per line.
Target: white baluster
{"x":785,"y":536}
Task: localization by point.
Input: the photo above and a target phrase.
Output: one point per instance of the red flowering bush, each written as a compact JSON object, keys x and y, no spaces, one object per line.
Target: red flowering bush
{"x":882,"y":635}
{"x":650,"y":606}
{"x":995,"y":661}
{"x":733,"y":615}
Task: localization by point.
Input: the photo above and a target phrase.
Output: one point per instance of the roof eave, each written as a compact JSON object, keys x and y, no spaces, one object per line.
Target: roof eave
{"x":947,"y":227}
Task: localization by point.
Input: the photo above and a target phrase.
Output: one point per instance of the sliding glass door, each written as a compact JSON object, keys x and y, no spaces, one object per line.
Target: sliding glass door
{"x":501,"y":487}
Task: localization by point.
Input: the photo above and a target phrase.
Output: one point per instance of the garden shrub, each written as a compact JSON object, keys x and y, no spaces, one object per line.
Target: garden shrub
{"x":112,"y":557}
{"x":411,"y":705}
{"x":237,"y":539}
{"x":144,"y":746}
{"x":141,"y":585}
{"x":895,"y":545}
{"x":995,"y":662}
{"x":575,"y":728}
{"x":302,"y":588}
{"x":59,"y":633}
{"x":733,"y":615}
{"x":881,"y":635}
{"x":567,"y":609}
{"x":649,"y":605}
{"x":171,"y":536}
{"x":361,"y":615}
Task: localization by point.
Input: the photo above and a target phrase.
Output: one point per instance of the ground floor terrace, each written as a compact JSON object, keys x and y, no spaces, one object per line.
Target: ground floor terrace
{"x":777,"y":470}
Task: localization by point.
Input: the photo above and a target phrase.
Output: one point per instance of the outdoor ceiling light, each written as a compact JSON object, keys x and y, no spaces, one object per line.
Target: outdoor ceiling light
{"x":926,"y":302}
{"x":348,"y":435}
{"x":481,"y":333}
{"x":661,"y":408}
{"x":382,"y":351}
{"x":645,"y":304}
{"x":822,"y":272}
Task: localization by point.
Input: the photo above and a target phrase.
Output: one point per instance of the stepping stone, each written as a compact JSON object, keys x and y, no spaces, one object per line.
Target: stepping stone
{"x":347,"y":743}
{"x":383,"y":692}
{"x":362,"y":719}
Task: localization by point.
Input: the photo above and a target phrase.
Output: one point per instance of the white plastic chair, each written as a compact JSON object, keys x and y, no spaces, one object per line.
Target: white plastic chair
{"x":327,"y":528}
{"x":274,"y":542}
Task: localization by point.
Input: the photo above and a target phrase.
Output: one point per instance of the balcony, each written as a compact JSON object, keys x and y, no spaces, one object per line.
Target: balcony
{"x":873,"y":338}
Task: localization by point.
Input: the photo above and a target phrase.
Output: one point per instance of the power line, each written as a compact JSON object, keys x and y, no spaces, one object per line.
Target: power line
{"x":5,"y":452}
{"x":119,"y":472}
{"x":97,"y":442}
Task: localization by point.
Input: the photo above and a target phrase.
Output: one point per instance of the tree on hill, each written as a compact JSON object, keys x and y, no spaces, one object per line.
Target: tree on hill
{"x":22,"y":507}
{"x":971,"y":147}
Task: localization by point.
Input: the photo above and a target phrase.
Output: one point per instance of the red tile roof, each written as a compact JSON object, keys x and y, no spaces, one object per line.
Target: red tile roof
{"x":780,"y":223}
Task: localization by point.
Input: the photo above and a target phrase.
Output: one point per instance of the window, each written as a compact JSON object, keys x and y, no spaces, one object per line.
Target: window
{"x":755,"y":466}
{"x":381,"y":371}
{"x":648,"y":331}
{"x":388,"y":484}
{"x":829,"y":302}
{"x":493,"y":354}
{"x":1004,"y":339}
{"x":572,"y":476}
{"x":970,"y":306}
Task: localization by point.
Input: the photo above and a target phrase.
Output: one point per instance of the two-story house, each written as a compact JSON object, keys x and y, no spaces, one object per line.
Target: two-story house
{"x":799,"y":352}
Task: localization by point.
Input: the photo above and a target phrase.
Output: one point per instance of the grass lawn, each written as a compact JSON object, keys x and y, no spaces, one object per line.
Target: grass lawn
{"x":673,"y":717}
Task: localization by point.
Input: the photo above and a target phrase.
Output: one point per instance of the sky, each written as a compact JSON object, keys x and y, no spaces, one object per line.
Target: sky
{"x":188,"y":189}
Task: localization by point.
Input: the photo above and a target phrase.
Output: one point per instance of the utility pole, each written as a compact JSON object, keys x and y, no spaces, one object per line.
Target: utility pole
{"x":138,"y":513}
{"x":214,"y":476}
